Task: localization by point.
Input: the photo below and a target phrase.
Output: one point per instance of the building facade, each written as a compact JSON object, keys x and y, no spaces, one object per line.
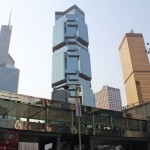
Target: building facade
{"x":109,"y":98}
{"x":9,"y":74}
{"x":136,"y":68}
{"x":71,"y":59}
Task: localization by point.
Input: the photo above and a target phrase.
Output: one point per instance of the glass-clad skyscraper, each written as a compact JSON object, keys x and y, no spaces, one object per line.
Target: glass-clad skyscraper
{"x":136,"y":68}
{"x":9,"y":74}
{"x":71,"y":59}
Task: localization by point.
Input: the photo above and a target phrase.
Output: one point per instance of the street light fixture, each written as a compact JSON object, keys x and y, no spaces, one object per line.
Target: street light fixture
{"x":78,"y":112}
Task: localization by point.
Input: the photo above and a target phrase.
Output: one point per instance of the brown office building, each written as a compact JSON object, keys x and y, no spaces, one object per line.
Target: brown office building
{"x":136,"y":68}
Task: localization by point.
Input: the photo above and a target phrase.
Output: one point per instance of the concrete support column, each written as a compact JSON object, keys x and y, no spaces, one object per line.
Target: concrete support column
{"x":127,"y":125}
{"x":111,"y":122}
{"x":72,"y":119}
{"x":28,"y":112}
{"x":140,"y":125}
{"x":148,"y":125}
{"x":18,"y":111}
{"x":70,"y":147}
{"x":148,"y":145}
{"x":93,"y":124}
{"x":46,"y":114}
{"x":58,"y":144}
{"x":89,"y":145}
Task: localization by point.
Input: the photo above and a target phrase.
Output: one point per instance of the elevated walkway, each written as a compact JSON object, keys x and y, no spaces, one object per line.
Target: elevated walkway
{"x":43,"y":121}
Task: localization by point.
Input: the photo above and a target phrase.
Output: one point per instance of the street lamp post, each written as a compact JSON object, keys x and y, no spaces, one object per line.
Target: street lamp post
{"x":78,"y":112}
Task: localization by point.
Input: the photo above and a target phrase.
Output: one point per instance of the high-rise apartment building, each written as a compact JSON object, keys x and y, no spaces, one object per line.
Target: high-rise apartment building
{"x":135,"y":67}
{"x":71,"y":59}
{"x":9,"y":74}
{"x":109,"y":98}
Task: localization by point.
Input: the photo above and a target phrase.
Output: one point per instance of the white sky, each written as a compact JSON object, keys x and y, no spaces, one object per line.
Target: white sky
{"x":107,"y":20}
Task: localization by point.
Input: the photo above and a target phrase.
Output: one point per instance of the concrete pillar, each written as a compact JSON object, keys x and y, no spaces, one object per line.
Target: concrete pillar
{"x":70,"y":147}
{"x":141,"y":126}
{"x":148,"y":145}
{"x":148,"y":125}
{"x":58,"y":144}
{"x":93,"y":124}
{"x":89,"y":145}
{"x":46,"y":114}
{"x":18,"y":111}
{"x":72,"y":119}
{"x":111,"y":122}
{"x":28,"y":112}
{"x":126,"y":123}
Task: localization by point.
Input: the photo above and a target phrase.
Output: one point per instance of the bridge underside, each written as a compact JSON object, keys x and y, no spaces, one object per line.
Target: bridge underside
{"x":70,"y":141}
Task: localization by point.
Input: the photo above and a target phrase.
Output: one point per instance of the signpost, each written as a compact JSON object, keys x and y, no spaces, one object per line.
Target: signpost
{"x":78,"y":112}
{"x":78,"y":109}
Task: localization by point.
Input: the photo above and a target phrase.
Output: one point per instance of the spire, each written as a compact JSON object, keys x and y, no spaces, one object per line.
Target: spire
{"x":9,"y":23}
{"x":132,"y":31}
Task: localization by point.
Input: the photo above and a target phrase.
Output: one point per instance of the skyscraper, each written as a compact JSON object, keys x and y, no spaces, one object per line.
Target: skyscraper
{"x":71,"y":58}
{"x":109,"y":98}
{"x":9,"y":75}
{"x":135,"y":67}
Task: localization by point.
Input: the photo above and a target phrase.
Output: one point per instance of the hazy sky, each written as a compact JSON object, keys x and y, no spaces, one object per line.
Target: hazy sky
{"x":107,"y":20}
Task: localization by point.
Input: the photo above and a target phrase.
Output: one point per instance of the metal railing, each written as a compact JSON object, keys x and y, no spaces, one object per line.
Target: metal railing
{"x":134,"y":105}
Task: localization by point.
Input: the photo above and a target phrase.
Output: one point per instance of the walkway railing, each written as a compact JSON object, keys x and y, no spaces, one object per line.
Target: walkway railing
{"x":135,"y":104}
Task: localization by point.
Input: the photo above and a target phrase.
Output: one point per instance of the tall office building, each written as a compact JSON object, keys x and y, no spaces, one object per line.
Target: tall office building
{"x":9,"y":75}
{"x":71,"y":59}
{"x":135,"y":67}
{"x":109,"y":98}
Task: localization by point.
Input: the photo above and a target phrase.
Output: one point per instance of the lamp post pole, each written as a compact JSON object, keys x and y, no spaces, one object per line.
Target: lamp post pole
{"x":79,"y":133}
{"x":78,"y":112}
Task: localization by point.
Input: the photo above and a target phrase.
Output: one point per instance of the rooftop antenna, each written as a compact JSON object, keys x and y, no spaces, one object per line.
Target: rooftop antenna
{"x":9,"y":23}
